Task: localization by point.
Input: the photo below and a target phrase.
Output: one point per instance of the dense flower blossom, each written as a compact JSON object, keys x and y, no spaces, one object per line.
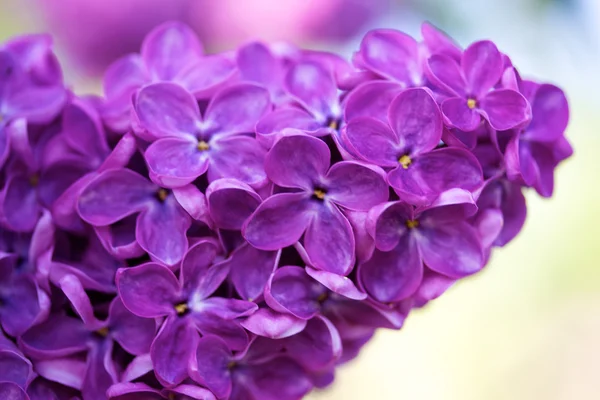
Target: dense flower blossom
{"x":235,"y":226}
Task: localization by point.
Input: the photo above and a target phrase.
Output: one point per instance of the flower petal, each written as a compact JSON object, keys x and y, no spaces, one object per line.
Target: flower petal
{"x":113,"y":195}
{"x":133,"y":333}
{"x":416,"y":118}
{"x":297,"y":161}
{"x":341,"y":285}
{"x":210,"y":365}
{"x":550,"y":111}
{"x":230,"y":331}
{"x":230,"y":203}
{"x":279,"y":221}
{"x":317,"y":347}
{"x":271,"y":324}
{"x":166,"y":110}
{"x":373,"y":141}
{"x":149,"y":290}
{"x":250,"y":270}
{"x":278,"y":379}
{"x":292,"y":291}
{"x":224,"y":308}
{"x":387,"y":224}
{"x":483,"y":67}
{"x":195,"y":268}
{"x":268,"y":129}
{"x":329,"y":241}
{"x":59,"y":336}
{"x":237,"y":109}
{"x":175,"y":162}
{"x":505,"y":109}
{"x":445,"y":72}
{"x":371,"y":99}
{"x":356,"y":186}
{"x":20,"y":205}
{"x":313,"y":85}
{"x":20,"y":306}
{"x":395,"y":275}
{"x":460,"y":115}
{"x":12,"y":391}
{"x":238,"y":157}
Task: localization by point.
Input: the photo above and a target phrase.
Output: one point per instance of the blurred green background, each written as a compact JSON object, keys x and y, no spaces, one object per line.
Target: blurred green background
{"x":528,"y":326}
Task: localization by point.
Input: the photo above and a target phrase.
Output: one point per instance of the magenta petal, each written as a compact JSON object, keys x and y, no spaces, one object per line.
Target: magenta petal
{"x":483,"y":67}
{"x":550,"y":111}
{"x":230,"y":203}
{"x":514,"y":211}
{"x":395,"y":275}
{"x":452,"y":249}
{"x":166,"y":109}
{"x":124,"y":191}
{"x":250,"y":270}
{"x":168,"y":47}
{"x":20,"y":206}
{"x":371,"y":99}
{"x":433,"y":173}
{"x":373,"y":141}
{"x":81,"y":303}
{"x":207,"y":74}
{"x":313,"y":85}
{"x":356,"y":186}
{"x":210,"y":366}
{"x":460,"y":115}
{"x":69,"y":372}
{"x":161,"y":231}
{"x":297,"y":161}
{"x":417,"y":121}
{"x":317,"y":347}
{"x":271,"y":324}
{"x":172,"y":350}
{"x":329,"y":241}
{"x":237,"y":109}
{"x":392,"y":54}
{"x":341,"y":285}
{"x":175,"y":162}
{"x":505,"y":109}
{"x":439,"y":42}
{"x":432,"y":287}
{"x":445,"y":73}
{"x":193,"y":201}
{"x":238,"y":157}
{"x":149,"y":290}
{"x":278,"y":222}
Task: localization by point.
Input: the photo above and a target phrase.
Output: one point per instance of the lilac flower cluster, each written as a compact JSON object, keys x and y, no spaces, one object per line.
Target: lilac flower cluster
{"x":234,"y":226}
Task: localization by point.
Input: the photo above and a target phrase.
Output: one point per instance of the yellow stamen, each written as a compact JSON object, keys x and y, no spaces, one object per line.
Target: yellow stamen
{"x":334,"y":124}
{"x":412,"y":223}
{"x":202,"y":146}
{"x":162,"y":194}
{"x":471,"y":103}
{"x":102,"y":331}
{"x":322,"y":297}
{"x":405,"y":161}
{"x":181,"y":308}
{"x":231,"y":364}
{"x":319,"y":194}
{"x":34,"y":180}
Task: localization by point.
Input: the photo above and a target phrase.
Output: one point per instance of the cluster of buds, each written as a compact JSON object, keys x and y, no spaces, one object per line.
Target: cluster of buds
{"x":235,"y":226}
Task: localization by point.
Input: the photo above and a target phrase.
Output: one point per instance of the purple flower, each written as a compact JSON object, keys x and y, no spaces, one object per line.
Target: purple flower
{"x":186,"y":145}
{"x":302,"y":162}
{"x":438,"y":236}
{"x":419,"y":172}
{"x":14,"y":366}
{"x":152,"y":290}
{"x":470,"y":88}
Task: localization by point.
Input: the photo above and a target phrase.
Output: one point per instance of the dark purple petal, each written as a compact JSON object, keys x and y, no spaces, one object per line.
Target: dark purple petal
{"x":20,"y":205}
{"x":387,"y":224}
{"x":132,"y":391}
{"x":417,"y":121}
{"x":432,"y":286}
{"x":514,"y":211}
{"x":250,"y":270}
{"x":292,"y":290}
{"x":191,"y":392}
{"x":19,"y":305}
{"x":210,"y":366}
{"x":80,"y":301}
{"x":505,"y":109}
{"x":269,"y":128}
{"x":14,"y":367}
{"x":356,"y":186}
{"x":133,"y":333}
{"x":279,"y":221}
{"x":59,"y":336}
{"x":100,"y":374}
{"x":12,"y":391}
{"x":230,"y":203}
{"x":230,"y":331}
{"x":483,"y":67}
{"x":272,"y":324}
{"x":149,"y":290}
{"x":317,"y":347}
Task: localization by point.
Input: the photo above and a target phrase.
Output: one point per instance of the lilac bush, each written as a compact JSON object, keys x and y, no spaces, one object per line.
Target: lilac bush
{"x":235,"y":226}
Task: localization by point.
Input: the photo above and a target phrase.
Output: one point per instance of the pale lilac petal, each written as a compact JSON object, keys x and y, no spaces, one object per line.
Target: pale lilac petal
{"x":175,"y":162}
{"x":371,"y":99}
{"x":373,"y":141}
{"x":172,"y":350}
{"x":169,"y":47}
{"x":37,"y":104}
{"x":138,"y":367}
{"x":271,"y":324}
{"x":505,"y":109}
{"x":279,"y":221}
{"x":230,"y":203}
{"x":209,"y":367}
{"x":207,"y":75}
{"x":313,"y":85}
{"x":193,"y":201}
{"x":364,"y":242}
{"x":341,"y":285}
{"x":237,"y":109}
{"x":392,"y":54}
{"x":297,"y":161}
{"x":445,"y":73}
{"x":149,"y":290}
{"x":433,"y":173}
{"x":113,"y":195}
{"x":250,"y":269}
{"x":417,"y":121}
{"x":166,"y":109}
{"x":460,"y":115}
{"x":483,"y":67}
{"x":395,"y":275}
{"x":329,"y":241}
{"x":65,"y":371}
{"x":438,"y":42}
{"x":453,"y":250}
{"x":238,"y":157}
{"x":161,"y":231}
{"x":356,"y":186}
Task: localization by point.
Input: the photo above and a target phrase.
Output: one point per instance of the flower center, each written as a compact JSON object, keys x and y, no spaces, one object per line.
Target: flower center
{"x":405,"y":161}
{"x":322,"y":297}
{"x":412,"y":223}
{"x":102,"y":331}
{"x":34,"y":180}
{"x":471,"y":103}
{"x":333,"y":124}
{"x":162,"y":194}
{"x":202,"y":146}
{"x":231,"y":364}
{"x":181,"y":308}
{"x":319,"y":194}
